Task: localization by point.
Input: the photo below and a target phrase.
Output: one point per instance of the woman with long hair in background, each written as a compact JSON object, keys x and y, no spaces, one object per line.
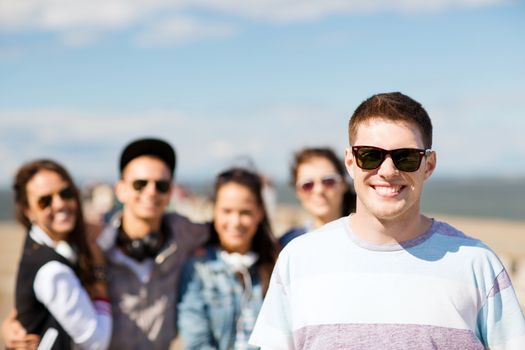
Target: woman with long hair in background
{"x":222,"y":289}
{"x":61,"y":292}
{"x":319,"y":178}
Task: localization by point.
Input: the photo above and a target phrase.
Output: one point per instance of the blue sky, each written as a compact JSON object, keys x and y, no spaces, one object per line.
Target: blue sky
{"x":225,"y":80}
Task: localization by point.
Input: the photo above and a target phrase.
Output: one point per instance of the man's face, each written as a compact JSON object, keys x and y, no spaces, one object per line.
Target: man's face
{"x":387,"y":193}
{"x":139,"y":190}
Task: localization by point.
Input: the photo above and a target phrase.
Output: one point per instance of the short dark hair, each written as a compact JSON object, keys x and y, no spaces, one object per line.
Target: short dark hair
{"x":393,"y":106}
{"x":148,"y":147}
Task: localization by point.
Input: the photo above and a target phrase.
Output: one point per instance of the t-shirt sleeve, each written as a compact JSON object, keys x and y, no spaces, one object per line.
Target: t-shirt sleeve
{"x":87,"y":323}
{"x":273,"y":328}
{"x":501,"y":324}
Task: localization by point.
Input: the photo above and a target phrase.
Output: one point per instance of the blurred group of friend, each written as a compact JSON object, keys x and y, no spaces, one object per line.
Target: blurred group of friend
{"x":367,"y":270}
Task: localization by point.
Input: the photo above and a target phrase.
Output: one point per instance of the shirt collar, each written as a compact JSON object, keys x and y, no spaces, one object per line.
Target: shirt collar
{"x":61,"y":247}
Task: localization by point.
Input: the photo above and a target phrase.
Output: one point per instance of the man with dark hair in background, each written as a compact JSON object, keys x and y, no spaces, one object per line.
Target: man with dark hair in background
{"x":146,"y":248}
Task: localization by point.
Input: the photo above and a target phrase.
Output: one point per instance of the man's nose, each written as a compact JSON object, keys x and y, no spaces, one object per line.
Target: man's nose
{"x":387,"y":168}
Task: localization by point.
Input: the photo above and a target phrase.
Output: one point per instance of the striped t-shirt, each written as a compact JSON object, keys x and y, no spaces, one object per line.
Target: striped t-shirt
{"x":442,"y":290}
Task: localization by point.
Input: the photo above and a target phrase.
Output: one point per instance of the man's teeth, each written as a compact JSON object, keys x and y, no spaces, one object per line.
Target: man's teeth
{"x":387,"y":189}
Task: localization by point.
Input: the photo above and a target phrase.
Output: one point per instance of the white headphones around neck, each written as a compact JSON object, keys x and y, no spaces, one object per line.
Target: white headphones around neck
{"x":239,"y":262}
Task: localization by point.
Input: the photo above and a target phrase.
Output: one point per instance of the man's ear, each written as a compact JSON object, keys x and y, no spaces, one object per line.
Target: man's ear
{"x":121,"y":191}
{"x":349,"y":162}
{"x":430,"y":164}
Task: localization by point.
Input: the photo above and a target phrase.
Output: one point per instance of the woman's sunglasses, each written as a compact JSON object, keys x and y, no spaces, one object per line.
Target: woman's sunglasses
{"x":328,"y":182}
{"x":162,"y":186}
{"x":405,"y":159}
{"x":66,"y":193}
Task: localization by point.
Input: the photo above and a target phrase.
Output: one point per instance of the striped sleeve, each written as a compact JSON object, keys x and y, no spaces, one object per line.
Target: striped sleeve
{"x":501,"y":324}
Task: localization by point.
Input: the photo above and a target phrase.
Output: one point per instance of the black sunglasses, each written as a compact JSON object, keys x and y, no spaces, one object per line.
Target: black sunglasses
{"x":66,"y":193}
{"x":328,"y":181}
{"x":162,"y":186}
{"x":405,"y":159}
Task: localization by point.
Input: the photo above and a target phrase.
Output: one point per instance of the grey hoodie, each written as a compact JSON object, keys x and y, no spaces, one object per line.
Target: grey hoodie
{"x":144,"y":304}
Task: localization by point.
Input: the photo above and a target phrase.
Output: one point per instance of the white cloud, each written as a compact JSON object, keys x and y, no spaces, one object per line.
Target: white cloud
{"x":176,"y":31}
{"x":83,"y":16}
{"x":80,"y":38}
{"x":300,"y":10}
{"x":89,"y":143}
{"x":63,"y":125}
{"x":73,"y":14}
{"x":488,"y":131}
{"x":221,"y":149}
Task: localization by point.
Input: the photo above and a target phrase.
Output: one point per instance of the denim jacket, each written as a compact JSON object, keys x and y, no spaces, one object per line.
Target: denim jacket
{"x":210,"y":302}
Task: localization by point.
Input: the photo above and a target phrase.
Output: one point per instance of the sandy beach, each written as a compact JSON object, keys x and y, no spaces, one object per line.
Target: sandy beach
{"x":506,"y":237}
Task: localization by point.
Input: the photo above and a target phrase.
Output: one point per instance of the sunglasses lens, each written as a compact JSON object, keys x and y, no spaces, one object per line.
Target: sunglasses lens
{"x":138,"y":185}
{"x":66,"y":193}
{"x":407,"y":159}
{"x":404,"y":159}
{"x":45,"y":201}
{"x":369,"y":158}
{"x":329,"y":182}
{"x":162,"y":186}
{"x":307,"y":186}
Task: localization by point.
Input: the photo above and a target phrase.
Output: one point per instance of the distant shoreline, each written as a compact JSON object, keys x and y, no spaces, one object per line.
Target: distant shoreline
{"x":480,"y":198}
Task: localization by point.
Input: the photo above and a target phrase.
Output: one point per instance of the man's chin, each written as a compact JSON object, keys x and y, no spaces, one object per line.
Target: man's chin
{"x":150,"y":215}
{"x":389,"y":213}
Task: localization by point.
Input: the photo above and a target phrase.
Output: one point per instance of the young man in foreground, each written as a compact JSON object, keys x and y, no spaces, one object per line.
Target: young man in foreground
{"x":388,"y":277}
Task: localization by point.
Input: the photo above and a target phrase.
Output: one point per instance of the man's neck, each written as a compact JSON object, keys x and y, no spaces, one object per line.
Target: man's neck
{"x":381,"y":231}
{"x":137,"y":227}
